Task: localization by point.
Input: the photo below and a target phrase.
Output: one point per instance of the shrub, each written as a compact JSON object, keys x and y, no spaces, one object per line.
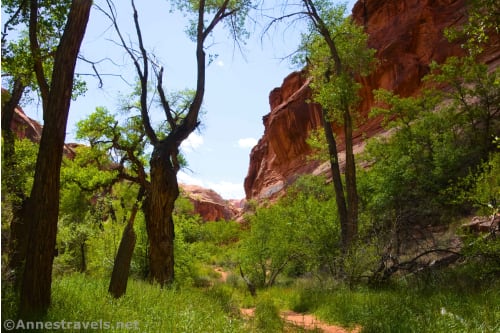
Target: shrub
{"x":267,"y":316}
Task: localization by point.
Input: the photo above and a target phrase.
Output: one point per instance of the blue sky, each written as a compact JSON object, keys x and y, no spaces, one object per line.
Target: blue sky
{"x":237,"y":87}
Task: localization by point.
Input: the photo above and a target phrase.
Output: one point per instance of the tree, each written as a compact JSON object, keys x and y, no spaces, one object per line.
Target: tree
{"x":124,"y":149}
{"x":19,"y":78}
{"x":292,"y":235}
{"x":335,"y":51}
{"x":42,"y":207}
{"x":161,"y":193}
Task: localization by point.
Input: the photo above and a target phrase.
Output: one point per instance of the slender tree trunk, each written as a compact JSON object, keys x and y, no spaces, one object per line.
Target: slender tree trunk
{"x":43,"y":204}
{"x":350,"y":180}
{"x":13,"y":184}
{"x":336,"y":179}
{"x":121,"y":267}
{"x":348,"y":213}
{"x":158,"y":208}
{"x":83,"y":263}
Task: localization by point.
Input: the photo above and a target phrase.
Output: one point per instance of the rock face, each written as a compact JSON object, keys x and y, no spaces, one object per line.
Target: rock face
{"x":281,"y":153}
{"x":25,"y":127}
{"x":210,"y":205}
{"x":407,"y":34}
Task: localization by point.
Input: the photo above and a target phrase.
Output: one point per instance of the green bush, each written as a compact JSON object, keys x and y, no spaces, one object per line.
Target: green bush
{"x":267,"y":316}
{"x":299,"y":234}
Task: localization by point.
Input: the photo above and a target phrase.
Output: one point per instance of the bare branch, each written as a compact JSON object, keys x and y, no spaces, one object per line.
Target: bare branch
{"x":10,"y":20}
{"x":37,"y":58}
{"x":163,"y":99}
{"x":144,"y":80}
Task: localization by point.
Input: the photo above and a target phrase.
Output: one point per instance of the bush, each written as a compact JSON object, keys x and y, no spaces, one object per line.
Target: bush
{"x":267,"y":316}
{"x":299,"y":234}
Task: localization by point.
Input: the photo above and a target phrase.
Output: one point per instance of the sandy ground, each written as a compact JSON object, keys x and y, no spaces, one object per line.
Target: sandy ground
{"x":306,"y":321}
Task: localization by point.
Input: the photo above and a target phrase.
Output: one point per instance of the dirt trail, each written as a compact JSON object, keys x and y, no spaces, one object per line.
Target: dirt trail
{"x":306,"y":321}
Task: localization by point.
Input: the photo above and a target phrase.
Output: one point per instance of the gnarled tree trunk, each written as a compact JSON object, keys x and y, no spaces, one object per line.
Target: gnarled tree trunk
{"x":158,"y":208}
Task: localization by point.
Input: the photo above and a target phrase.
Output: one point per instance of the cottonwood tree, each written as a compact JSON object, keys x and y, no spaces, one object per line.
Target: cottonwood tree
{"x":336,"y":52}
{"x":124,"y":148}
{"x":163,"y":190}
{"x":65,"y":22}
{"x":18,"y":77}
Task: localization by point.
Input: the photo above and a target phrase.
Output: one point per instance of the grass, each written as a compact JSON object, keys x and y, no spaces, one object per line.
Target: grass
{"x":81,"y":298}
{"x":409,"y":306}
{"x":451,"y":301}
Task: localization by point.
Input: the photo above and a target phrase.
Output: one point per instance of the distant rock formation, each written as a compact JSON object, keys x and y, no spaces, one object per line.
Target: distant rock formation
{"x":209,"y":204}
{"x":408,"y":36}
{"x":25,"y":127}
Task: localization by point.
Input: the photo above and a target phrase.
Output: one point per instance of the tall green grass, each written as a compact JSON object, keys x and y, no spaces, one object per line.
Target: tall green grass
{"x":446,"y":303}
{"x":81,"y":298}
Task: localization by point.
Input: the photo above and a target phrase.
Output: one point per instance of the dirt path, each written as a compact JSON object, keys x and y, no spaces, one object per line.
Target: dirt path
{"x":307,"y":321}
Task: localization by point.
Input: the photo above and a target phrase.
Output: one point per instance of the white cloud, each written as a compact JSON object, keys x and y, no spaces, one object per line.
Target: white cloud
{"x":247,"y":142}
{"x":184,"y":178}
{"x":192,"y":142}
{"x":220,"y":63}
{"x":226,"y":189}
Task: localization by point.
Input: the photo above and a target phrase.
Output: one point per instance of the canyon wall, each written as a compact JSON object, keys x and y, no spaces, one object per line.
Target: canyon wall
{"x":407,"y":34}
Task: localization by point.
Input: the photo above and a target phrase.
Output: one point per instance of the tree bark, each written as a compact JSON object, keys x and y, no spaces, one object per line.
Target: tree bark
{"x":43,"y":204}
{"x":350,"y":180}
{"x":348,"y":212}
{"x":158,"y":208}
{"x":121,"y":267}
{"x":336,"y":179}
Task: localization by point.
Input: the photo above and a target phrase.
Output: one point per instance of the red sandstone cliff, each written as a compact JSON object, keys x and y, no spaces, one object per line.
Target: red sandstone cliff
{"x":209,"y":204}
{"x":407,"y":34}
{"x":25,"y":127}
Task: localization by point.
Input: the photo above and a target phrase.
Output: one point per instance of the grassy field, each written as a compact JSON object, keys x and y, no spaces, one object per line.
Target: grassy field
{"x":444,"y":302}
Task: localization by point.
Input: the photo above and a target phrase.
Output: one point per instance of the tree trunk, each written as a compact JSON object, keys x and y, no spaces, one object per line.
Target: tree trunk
{"x":83,"y":262}
{"x":350,"y":181}
{"x":43,"y":204}
{"x":121,"y":267}
{"x":14,"y":185}
{"x":336,"y":179}
{"x":158,"y":208}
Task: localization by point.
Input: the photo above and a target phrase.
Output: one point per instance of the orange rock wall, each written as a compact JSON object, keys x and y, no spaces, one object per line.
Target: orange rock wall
{"x":407,"y":34}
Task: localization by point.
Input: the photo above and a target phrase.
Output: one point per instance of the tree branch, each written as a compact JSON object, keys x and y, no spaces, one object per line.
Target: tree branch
{"x":35,"y":51}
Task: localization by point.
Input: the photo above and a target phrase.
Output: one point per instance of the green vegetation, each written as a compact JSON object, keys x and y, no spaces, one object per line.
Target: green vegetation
{"x":410,"y":265}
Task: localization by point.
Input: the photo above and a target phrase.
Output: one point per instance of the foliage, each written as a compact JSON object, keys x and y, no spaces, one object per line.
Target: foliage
{"x":334,"y":91}
{"x":17,"y":57}
{"x":21,"y":178}
{"x":482,"y":22}
{"x":482,"y":190}
{"x":299,"y":231}
{"x":433,"y":143}
{"x":481,"y":187}
{"x":267,"y":316}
